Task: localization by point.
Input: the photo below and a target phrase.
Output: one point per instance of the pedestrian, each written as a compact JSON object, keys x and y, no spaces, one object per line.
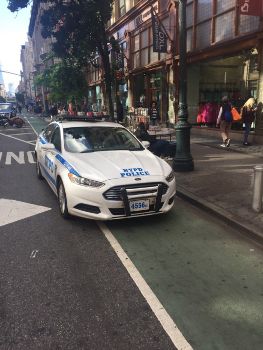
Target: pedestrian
{"x":224,"y":121}
{"x":248,"y":114}
{"x":161,"y":148}
{"x":154,"y":114}
{"x":120,"y":111}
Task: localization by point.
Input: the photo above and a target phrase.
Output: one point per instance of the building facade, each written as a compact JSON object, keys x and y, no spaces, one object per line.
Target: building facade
{"x":224,"y":57}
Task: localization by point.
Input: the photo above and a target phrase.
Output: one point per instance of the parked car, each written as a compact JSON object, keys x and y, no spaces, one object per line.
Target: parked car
{"x":100,"y":170}
{"x":7,"y":110}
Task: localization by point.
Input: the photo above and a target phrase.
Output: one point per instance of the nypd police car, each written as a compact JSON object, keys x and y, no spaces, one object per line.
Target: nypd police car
{"x":100,"y":170}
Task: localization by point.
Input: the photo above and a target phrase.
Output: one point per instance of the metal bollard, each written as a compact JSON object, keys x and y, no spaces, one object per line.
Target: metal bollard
{"x":258,"y":188}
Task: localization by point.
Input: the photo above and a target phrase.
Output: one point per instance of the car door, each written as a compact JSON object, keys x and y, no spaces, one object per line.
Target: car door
{"x":43,"y":138}
{"x":50,"y":157}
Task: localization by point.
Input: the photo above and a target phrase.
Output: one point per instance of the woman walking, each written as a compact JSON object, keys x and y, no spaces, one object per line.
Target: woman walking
{"x":224,"y":120}
{"x":248,"y":114}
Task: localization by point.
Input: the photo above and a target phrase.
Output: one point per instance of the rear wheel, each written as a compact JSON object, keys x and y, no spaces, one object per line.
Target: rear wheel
{"x":62,"y":201}
{"x":39,"y":173}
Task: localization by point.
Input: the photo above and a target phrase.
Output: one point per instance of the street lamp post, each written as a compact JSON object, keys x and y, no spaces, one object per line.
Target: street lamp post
{"x":183,"y":160}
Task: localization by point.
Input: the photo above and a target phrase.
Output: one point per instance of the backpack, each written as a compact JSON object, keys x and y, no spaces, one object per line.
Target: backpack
{"x":227,"y":114}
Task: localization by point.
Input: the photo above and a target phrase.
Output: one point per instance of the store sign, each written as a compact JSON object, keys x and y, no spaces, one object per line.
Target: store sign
{"x":159,"y":36}
{"x":144,"y":16}
{"x":251,"y":7}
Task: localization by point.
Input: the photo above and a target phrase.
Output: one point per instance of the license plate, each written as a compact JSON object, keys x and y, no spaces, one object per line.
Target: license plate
{"x":140,"y":205}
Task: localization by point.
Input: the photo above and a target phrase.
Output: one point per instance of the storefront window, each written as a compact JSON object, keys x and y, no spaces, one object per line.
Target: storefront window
{"x":189,"y":37}
{"x":144,"y":57}
{"x":154,"y":56}
{"x":224,"y":26}
{"x":136,"y":59}
{"x":122,"y":7}
{"x":137,"y":42}
{"x":189,"y":15}
{"x":203,"y":35}
{"x":145,"y":38}
{"x":223,"y":5}
{"x":204,"y":10}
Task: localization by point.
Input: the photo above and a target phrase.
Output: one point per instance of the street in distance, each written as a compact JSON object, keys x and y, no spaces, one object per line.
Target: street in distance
{"x":100,"y":170}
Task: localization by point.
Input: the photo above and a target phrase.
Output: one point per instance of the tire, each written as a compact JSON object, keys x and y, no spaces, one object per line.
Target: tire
{"x":39,"y":173}
{"x":62,"y":201}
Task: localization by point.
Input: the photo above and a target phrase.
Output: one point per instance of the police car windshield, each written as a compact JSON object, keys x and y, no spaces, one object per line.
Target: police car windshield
{"x":96,"y":138}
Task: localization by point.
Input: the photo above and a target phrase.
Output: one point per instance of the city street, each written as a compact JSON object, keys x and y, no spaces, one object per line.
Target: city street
{"x":127,"y":284}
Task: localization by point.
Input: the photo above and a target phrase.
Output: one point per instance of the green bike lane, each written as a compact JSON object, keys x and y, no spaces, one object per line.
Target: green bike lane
{"x":207,"y":276}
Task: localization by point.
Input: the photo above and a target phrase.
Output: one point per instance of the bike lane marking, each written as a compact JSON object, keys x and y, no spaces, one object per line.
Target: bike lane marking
{"x":162,"y":315}
{"x":12,"y":211}
{"x":208,"y":278}
{"x":20,"y":158}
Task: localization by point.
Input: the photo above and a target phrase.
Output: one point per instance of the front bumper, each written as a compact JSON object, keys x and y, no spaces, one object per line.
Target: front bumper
{"x":113,"y":200}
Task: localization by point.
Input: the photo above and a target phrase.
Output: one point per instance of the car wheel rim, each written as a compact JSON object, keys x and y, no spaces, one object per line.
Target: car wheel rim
{"x":62,"y":199}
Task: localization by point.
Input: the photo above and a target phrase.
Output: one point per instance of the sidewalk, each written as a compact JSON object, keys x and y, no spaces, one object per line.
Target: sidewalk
{"x":222,"y":182}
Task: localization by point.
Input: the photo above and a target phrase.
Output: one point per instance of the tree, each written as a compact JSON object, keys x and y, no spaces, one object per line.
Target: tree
{"x":65,"y":82}
{"x":79,"y":30}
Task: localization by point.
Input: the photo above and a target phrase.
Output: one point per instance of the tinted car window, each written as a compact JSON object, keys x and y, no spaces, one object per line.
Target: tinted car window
{"x":48,"y":132}
{"x":56,"y":139}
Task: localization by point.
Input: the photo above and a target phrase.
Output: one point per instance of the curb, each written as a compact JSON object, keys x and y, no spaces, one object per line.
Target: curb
{"x":246,"y":229}
{"x":229,"y":149}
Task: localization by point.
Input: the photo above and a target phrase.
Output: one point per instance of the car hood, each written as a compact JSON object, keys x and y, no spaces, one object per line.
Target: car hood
{"x":108,"y":165}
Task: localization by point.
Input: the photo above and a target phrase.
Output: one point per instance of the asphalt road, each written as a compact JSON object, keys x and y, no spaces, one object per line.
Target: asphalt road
{"x":62,"y":286}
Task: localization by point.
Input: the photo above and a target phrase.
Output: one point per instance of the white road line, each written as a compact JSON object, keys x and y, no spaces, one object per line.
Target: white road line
{"x":16,"y":129}
{"x":28,"y":142}
{"x":22,"y":133}
{"x":34,"y":254}
{"x":32,"y":126}
{"x":164,"y":318}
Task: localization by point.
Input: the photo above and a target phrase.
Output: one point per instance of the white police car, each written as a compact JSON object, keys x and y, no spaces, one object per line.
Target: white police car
{"x":99,"y":170}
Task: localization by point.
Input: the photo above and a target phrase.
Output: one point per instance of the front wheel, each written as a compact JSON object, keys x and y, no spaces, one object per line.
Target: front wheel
{"x":62,"y":201}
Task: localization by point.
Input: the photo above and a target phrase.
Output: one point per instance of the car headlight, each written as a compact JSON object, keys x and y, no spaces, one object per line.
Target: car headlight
{"x":84,"y":182}
{"x":170,"y":177}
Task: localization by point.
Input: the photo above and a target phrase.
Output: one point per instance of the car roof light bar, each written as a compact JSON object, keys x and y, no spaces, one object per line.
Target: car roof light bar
{"x":84,"y":118}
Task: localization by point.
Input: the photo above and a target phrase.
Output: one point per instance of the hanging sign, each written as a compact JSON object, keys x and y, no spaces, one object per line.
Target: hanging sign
{"x":251,"y":7}
{"x":159,"y":36}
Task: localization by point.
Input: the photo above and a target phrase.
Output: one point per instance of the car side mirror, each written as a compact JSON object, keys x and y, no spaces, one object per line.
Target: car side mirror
{"x":146,"y":144}
{"x":48,"y":146}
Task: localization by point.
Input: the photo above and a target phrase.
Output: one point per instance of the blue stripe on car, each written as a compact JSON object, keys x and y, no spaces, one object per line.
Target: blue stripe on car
{"x":67,"y":165}
{"x":48,"y":175}
{"x":42,"y":140}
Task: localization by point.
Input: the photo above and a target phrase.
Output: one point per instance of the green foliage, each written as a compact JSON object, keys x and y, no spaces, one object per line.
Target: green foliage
{"x":2,"y":99}
{"x":15,"y":5}
{"x":64,"y":81}
{"x":79,"y":31}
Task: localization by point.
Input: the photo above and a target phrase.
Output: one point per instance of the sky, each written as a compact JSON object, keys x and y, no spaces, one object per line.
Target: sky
{"x":13,"y":34}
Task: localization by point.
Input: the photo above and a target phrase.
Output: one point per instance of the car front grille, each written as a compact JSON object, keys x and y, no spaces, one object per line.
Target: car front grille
{"x":134,"y":191}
